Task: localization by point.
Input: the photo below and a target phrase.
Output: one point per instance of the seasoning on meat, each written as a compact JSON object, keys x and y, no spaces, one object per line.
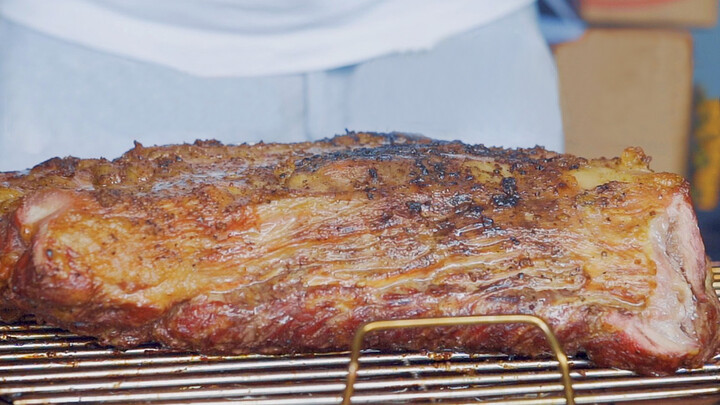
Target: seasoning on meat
{"x":283,"y":248}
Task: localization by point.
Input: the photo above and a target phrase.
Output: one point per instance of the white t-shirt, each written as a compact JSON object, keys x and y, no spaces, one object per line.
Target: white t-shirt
{"x":216,"y":38}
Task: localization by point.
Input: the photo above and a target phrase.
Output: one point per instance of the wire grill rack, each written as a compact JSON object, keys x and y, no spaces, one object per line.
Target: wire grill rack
{"x":40,"y":365}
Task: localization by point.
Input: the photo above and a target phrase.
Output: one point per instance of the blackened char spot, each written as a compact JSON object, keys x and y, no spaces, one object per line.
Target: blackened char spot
{"x":414,"y":206}
{"x":423,"y":170}
{"x":509,"y":185}
{"x":381,"y":153}
{"x":504,"y":200}
{"x":459,"y":199}
{"x":373,"y":173}
{"x":206,"y":143}
{"x":474,"y":211}
{"x":510,"y":196}
{"x":603,"y":188}
{"x":439,"y":170}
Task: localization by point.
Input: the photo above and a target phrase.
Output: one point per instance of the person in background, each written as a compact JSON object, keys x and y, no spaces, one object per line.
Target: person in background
{"x":87,"y":77}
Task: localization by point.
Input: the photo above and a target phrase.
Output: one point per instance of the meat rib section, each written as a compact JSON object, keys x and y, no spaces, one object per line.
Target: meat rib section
{"x":278,"y":248}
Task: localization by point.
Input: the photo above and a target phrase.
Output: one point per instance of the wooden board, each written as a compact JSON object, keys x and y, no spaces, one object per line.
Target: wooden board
{"x":628,"y":87}
{"x":686,"y":13}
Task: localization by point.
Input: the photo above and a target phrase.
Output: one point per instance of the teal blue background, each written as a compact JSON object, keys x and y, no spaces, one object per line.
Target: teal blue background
{"x":707,"y":60}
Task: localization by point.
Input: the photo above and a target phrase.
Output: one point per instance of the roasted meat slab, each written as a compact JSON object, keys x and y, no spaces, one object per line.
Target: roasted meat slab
{"x":277,"y":248}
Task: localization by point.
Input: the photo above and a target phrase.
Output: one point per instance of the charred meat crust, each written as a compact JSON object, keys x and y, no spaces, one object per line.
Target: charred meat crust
{"x":279,"y":248}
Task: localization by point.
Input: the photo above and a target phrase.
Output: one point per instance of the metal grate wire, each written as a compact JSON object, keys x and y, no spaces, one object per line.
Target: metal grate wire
{"x":44,"y":365}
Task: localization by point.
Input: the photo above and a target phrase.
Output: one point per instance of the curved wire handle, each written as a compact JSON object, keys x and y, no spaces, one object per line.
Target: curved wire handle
{"x":456,"y":321}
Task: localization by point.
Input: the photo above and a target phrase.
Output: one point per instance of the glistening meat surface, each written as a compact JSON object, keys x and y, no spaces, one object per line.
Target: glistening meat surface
{"x":277,"y":248}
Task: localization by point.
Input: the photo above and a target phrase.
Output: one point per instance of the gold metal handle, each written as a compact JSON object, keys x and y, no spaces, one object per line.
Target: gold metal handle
{"x":456,"y":321}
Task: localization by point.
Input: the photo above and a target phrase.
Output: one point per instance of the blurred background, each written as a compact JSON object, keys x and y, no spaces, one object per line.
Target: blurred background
{"x":644,"y":73}
{"x":590,"y":77}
